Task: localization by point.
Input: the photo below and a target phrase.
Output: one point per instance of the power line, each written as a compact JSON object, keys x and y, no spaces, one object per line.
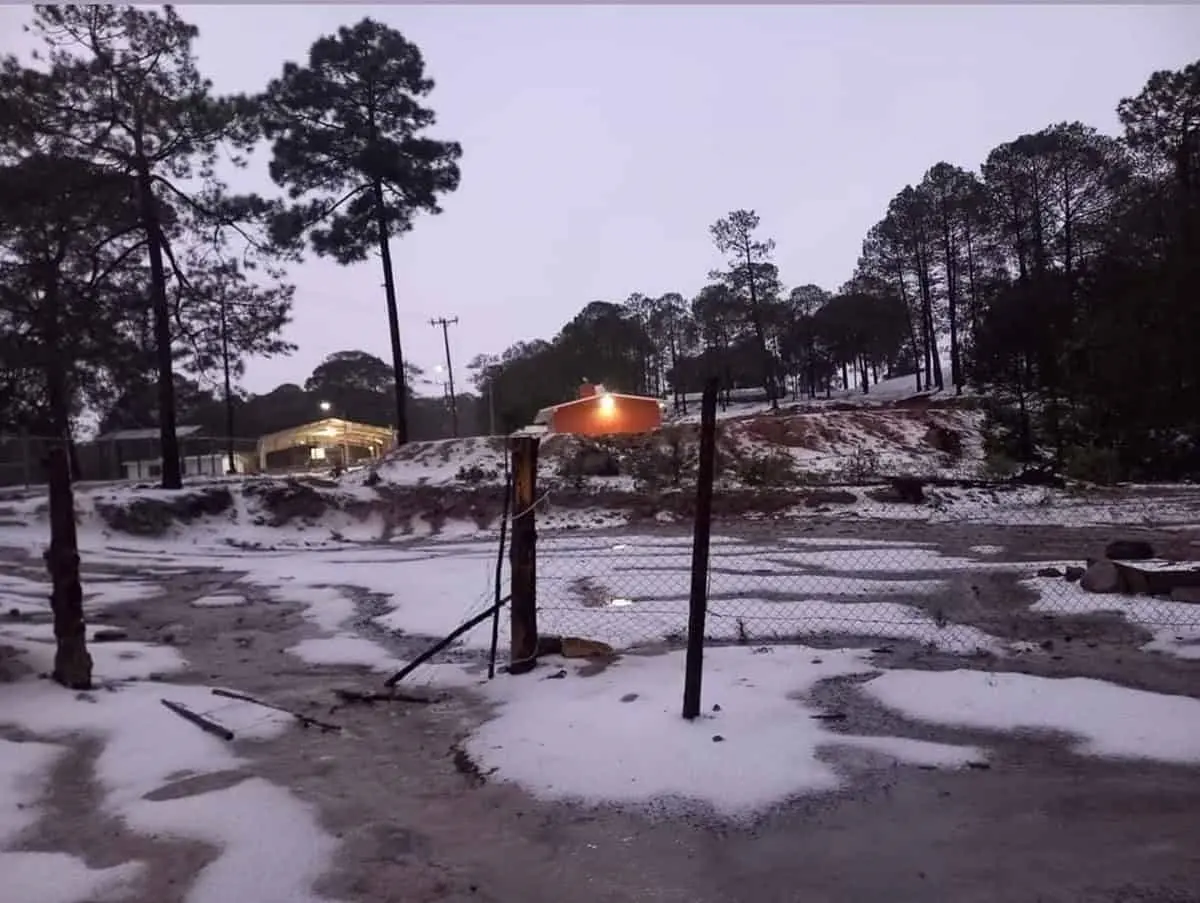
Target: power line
{"x":446,"y":324}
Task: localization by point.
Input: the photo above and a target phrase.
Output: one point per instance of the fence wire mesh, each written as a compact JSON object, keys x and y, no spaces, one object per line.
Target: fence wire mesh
{"x":969,"y":576}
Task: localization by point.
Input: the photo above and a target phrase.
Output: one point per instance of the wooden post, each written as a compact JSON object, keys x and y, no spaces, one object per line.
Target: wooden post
{"x":524,"y":635}
{"x":72,"y":664}
{"x":698,"y":603}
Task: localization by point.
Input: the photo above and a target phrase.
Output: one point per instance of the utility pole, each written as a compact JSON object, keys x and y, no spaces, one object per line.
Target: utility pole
{"x":446,"y":324}
{"x":229,"y":451}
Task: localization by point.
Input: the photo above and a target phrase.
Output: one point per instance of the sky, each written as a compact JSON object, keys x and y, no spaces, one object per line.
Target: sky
{"x":601,"y":142}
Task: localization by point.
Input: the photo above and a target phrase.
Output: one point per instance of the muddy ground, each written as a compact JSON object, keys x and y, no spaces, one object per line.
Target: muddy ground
{"x":418,"y":824}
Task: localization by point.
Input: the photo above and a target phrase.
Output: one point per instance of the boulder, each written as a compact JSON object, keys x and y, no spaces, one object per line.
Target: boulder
{"x":1049,"y":572}
{"x":577,"y":647}
{"x":909,"y":490}
{"x":1101,"y":577}
{"x":1129,"y":550}
{"x":109,"y":635}
{"x":1074,"y":573}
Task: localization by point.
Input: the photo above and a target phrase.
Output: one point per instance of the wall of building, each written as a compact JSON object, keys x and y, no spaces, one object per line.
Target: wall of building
{"x":591,"y":417}
{"x":209,"y":465}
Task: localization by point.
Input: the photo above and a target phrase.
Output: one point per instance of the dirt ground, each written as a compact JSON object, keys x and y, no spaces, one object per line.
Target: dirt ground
{"x":418,"y":824}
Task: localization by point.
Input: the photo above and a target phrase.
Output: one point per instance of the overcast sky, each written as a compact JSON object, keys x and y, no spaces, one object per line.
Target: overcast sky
{"x":599,"y":143}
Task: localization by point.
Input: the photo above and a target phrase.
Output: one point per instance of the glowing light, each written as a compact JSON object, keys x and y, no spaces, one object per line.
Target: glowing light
{"x":325,"y":406}
{"x":608,"y":404}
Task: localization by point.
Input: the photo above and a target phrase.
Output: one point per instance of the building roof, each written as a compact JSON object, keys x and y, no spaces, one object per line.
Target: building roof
{"x":150,"y":432}
{"x":330,"y":431}
{"x":544,"y":415}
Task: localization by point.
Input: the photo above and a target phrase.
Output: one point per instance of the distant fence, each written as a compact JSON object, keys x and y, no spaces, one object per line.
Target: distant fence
{"x":21,"y":458}
{"x":988,"y":567}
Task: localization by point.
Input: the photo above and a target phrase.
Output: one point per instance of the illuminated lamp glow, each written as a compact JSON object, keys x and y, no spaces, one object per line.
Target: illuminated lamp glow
{"x":607,"y":403}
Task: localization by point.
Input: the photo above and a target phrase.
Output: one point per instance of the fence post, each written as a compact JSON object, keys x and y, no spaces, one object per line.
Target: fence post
{"x":524,"y":634}
{"x":698,"y":601}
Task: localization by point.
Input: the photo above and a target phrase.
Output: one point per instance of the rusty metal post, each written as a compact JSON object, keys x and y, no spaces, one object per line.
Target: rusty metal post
{"x":524,"y":635}
{"x":698,"y":605}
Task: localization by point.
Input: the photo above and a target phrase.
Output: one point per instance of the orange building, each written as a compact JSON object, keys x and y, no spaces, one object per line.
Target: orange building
{"x":598,"y":412}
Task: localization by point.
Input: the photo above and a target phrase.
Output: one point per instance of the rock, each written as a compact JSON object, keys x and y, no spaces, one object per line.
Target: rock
{"x":1074,"y":573}
{"x":819,"y":497}
{"x":109,"y":635}
{"x":1049,"y":572}
{"x":575,"y":647}
{"x":1186,"y":594}
{"x":1101,"y":577}
{"x":909,"y":490}
{"x":1129,"y":550}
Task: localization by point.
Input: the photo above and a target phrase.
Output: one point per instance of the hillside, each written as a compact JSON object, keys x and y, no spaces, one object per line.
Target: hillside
{"x":802,"y":444}
{"x":829,"y":460}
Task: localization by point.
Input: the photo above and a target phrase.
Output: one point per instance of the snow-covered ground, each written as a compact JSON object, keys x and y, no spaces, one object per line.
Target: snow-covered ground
{"x":616,"y":737}
{"x":598,"y":736}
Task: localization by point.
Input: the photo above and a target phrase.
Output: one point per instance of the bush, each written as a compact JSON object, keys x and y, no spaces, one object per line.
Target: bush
{"x":474,"y":474}
{"x":859,"y":467}
{"x":766,"y":469}
{"x":997,"y":466}
{"x":1093,"y":464}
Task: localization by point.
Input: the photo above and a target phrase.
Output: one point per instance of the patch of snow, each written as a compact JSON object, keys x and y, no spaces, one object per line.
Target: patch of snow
{"x":617,"y":736}
{"x":1104,"y":718}
{"x":351,"y":651}
{"x":219,"y":601}
{"x":59,"y":878}
{"x":1175,"y":626}
{"x":23,"y":770}
{"x":271,"y":847}
{"x":116,"y":661}
{"x":105,"y":594}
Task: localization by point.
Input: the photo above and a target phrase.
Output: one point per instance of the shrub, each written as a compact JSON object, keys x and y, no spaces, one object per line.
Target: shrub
{"x":997,"y":466}
{"x":858,"y":467}
{"x":474,"y":474}
{"x":766,"y":469}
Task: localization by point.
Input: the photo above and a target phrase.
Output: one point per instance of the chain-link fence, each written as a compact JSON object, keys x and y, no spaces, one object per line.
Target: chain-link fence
{"x":986,"y":569}
{"x":135,"y":457}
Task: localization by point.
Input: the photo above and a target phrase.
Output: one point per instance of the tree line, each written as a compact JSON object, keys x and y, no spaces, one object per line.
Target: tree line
{"x":353,"y":385}
{"x":127,"y":263}
{"x":1061,"y":278}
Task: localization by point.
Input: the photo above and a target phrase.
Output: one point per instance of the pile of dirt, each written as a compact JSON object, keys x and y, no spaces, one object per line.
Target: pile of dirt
{"x":154,"y":515}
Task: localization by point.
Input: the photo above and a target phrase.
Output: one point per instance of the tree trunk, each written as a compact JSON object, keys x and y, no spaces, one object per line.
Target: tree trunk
{"x":389,"y":288}
{"x":72,"y":663}
{"x":172,"y":475}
